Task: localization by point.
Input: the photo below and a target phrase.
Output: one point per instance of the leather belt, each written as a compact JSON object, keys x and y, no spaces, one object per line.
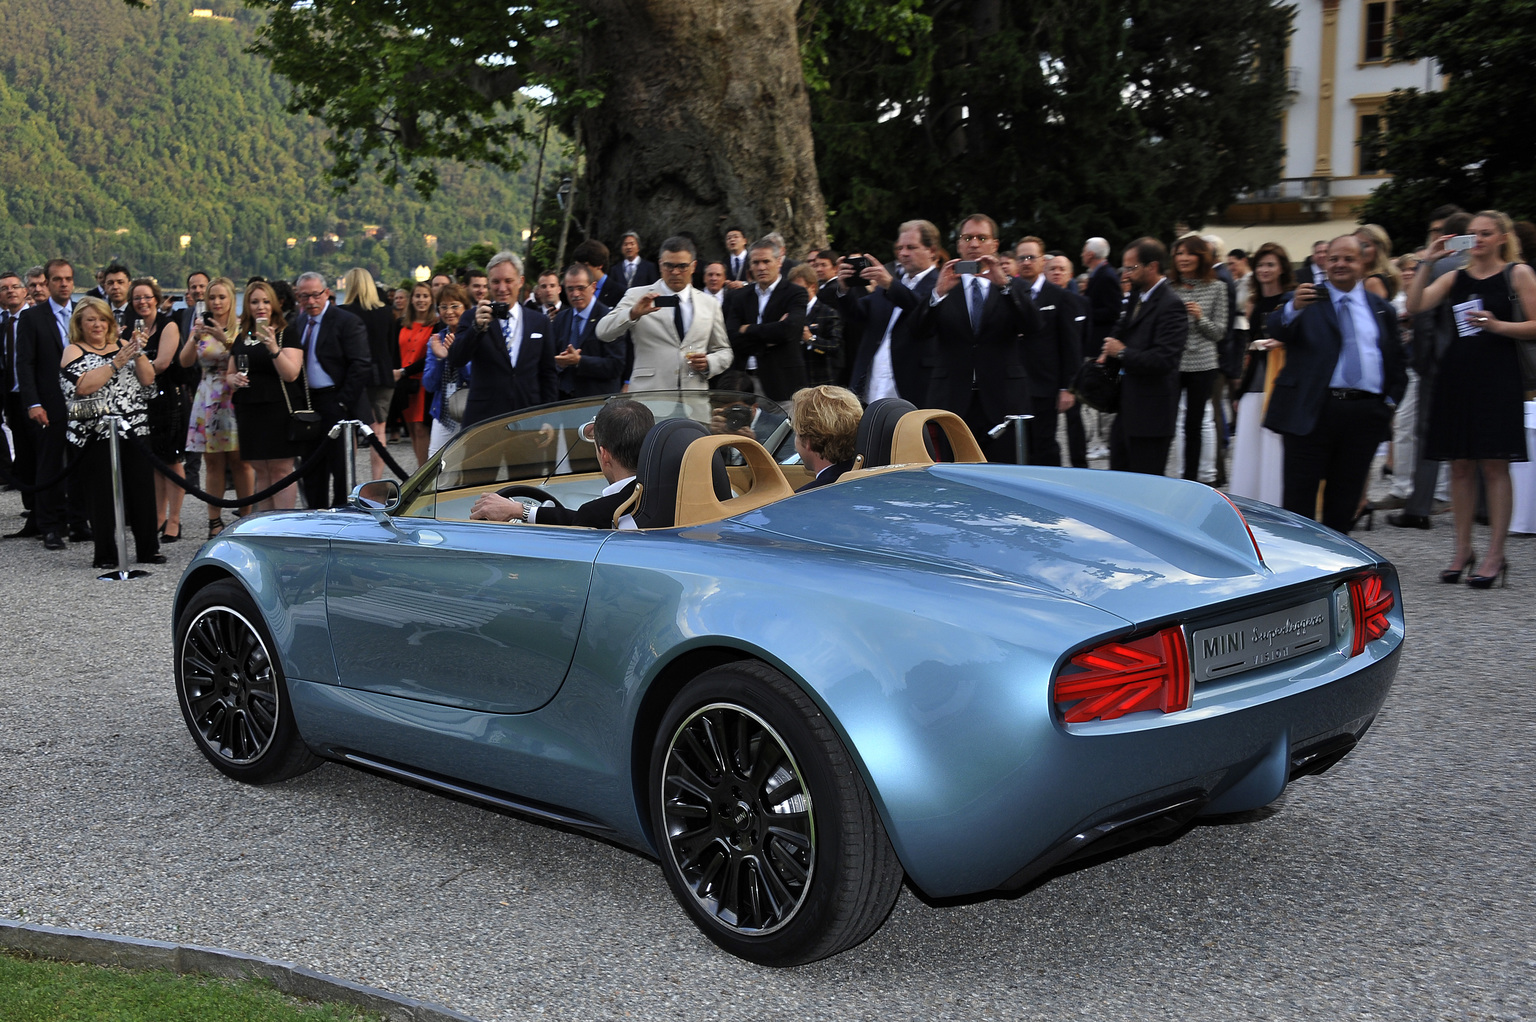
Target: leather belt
{"x":1351,"y":394}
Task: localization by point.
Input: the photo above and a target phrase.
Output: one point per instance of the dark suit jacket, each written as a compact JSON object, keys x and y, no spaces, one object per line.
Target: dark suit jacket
{"x":601,"y":369}
{"x":745,"y":273}
{"x":990,"y":361}
{"x":341,"y":346}
{"x":1312,"y":344}
{"x":1053,"y":353}
{"x":383,"y":342}
{"x":865,"y":317}
{"x":646,"y":272}
{"x":830,"y":474}
{"x":775,"y":341}
{"x":1153,"y":331}
{"x":824,"y":351}
{"x":1106,"y":303}
{"x":38,"y":354}
{"x":595,"y":514}
{"x":497,"y":387}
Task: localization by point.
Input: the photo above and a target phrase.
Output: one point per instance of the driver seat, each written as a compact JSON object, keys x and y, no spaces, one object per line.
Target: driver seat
{"x":877,"y":428}
{"x":661,"y":463}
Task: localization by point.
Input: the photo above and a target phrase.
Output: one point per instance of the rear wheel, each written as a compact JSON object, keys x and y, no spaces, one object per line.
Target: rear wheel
{"x":767,"y":834}
{"x":232,"y":691}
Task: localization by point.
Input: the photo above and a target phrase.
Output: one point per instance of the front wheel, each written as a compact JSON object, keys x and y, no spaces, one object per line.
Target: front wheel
{"x":232,"y":691}
{"x":768,"y":837}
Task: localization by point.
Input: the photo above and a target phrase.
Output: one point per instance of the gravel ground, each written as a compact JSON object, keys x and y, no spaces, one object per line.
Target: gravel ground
{"x":1397,"y":886}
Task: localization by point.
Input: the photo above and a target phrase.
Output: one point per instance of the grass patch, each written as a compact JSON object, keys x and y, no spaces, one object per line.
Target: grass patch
{"x":38,"y":990}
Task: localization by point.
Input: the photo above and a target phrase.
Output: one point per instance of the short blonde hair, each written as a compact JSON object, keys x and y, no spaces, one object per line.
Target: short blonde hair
{"x":90,"y":303}
{"x":360,"y":288}
{"x":827,"y":419}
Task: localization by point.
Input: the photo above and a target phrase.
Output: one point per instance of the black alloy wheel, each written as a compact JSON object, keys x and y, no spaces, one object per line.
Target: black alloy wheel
{"x":768,"y":837}
{"x":231,"y":688}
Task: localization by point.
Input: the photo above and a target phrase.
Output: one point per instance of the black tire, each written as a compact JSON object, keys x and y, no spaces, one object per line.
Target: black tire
{"x":741,"y":746}
{"x":232,"y":691}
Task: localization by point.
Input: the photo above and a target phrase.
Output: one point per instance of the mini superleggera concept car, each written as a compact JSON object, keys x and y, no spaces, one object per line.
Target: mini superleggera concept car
{"x":955,"y":673}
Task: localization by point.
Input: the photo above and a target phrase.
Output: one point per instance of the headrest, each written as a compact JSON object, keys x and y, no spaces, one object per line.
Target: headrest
{"x":920,"y":432}
{"x":698,"y":502}
{"x":661,"y":461}
{"x":872,"y":445}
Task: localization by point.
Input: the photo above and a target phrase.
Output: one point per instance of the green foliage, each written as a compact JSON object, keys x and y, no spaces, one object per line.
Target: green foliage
{"x":472,"y":258}
{"x":44,"y":991}
{"x":1461,"y":144}
{"x":1064,"y":119}
{"x":128,"y":128}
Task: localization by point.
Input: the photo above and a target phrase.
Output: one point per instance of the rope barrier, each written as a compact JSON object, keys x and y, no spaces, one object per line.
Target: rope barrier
{"x":6,"y":479}
{"x":389,"y":462}
{"x":223,"y":502}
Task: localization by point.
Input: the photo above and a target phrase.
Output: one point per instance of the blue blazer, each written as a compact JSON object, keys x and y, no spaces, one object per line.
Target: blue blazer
{"x":601,"y":369}
{"x":1312,"y":344}
{"x":497,"y":388}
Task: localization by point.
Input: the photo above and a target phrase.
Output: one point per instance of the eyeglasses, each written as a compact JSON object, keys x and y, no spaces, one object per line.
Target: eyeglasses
{"x":305,"y":296}
{"x":13,"y":287}
{"x":1129,"y":269}
{"x":447,"y":311}
{"x":676,"y":266}
{"x":975,"y":237}
{"x":578,"y":287}
{"x":1027,"y":259}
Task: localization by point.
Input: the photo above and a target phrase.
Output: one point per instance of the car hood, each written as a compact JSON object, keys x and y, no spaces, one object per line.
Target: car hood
{"x":1141,"y":547}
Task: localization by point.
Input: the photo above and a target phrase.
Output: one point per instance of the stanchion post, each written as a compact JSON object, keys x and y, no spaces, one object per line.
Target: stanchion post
{"x":114,"y":424}
{"x":349,"y":440}
{"x":1019,"y":436}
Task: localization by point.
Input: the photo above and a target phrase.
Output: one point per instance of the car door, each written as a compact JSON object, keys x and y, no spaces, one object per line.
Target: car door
{"x":480,"y":615}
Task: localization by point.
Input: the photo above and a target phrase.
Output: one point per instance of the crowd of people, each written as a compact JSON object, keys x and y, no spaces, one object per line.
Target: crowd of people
{"x":1276,"y":379}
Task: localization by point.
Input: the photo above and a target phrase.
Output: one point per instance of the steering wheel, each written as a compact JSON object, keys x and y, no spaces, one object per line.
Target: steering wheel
{"x":519,"y":490}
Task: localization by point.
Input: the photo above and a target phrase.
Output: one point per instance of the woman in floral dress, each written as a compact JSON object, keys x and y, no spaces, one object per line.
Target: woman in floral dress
{"x":212,"y":431}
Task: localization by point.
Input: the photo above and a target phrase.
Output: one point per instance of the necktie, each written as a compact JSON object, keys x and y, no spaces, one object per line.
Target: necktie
{"x":736,"y":267}
{"x":1349,"y":355}
{"x":976,"y":303}
{"x":677,"y":319}
{"x":309,"y":338}
{"x":629,"y":273}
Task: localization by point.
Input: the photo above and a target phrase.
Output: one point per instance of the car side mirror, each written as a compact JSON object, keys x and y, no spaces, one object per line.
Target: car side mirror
{"x":378,"y":498}
{"x":589,"y":431}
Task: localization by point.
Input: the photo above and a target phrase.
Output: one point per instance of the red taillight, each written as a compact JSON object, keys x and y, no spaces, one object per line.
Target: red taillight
{"x":1370,"y":600}
{"x":1150,"y":673}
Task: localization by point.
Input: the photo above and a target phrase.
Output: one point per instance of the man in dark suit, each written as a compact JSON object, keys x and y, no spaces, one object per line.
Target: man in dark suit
{"x":738,"y":272}
{"x":765,"y":323}
{"x":982,"y":326}
{"x":1148,"y":343}
{"x":545,"y":299}
{"x":630,"y":271}
{"x":1106,"y":302}
{"x":337,"y":360}
{"x":13,"y":299}
{"x":618,"y":432}
{"x":514,"y":355}
{"x":826,"y":430}
{"x":587,"y":364}
{"x":1052,"y":354}
{"x":42,"y":332}
{"x":1334,"y":400}
{"x":886,"y":339}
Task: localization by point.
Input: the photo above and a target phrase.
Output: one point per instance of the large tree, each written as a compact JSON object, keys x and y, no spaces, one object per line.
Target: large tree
{"x":1462,"y":144}
{"x":689,"y":115}
{"x":1060,"y":117}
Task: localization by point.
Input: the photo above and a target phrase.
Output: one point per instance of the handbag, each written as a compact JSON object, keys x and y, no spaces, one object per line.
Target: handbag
{"x":457,"y":402}
{"x":84,"y":409}
{"x":1098,"y":385}
{"x":304,"y":425}
{"x":1524,"y":348}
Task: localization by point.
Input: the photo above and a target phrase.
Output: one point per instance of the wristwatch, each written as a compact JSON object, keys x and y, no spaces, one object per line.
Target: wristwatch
{"x":528,"y":511}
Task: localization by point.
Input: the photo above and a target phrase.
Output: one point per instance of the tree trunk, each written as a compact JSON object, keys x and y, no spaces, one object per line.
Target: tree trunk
{"x":705,"y":123}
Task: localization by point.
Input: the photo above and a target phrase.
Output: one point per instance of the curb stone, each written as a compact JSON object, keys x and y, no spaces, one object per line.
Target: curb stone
{"x":133,"y":953}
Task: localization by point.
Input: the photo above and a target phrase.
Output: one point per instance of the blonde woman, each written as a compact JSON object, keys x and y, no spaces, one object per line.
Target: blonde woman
{"x":1476,"y":415}
{"x":212,"y":432}
{"x":1381,"y":276}
{"x":363,"y":301}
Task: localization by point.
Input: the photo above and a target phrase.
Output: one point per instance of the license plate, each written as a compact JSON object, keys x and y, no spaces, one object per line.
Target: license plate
{"x":1238,"y":646}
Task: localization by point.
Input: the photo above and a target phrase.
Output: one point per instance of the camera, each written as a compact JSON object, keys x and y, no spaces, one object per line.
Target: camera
{"x":971,"y":266}
{"x":500,"y":310}
{"x":667,"y":301}
{"x":1460,"y":243}
{"x":859,"y":264}
{"x":737,"y":416}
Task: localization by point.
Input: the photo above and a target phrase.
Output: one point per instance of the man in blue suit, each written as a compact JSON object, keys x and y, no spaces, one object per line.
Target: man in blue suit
{"x":587,"y":364}
{"x":514,"y":353}
{"x":1334,"y":400}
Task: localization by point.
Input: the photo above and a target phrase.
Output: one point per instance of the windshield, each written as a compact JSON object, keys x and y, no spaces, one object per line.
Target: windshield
{"x":544,"y":447}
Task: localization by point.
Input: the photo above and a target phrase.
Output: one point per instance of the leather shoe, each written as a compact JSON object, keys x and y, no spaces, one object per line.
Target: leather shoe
{"x":25,"y":532}
{"x":105,"y":565}
{"x":1404,"y":520}
{"x":53,"y":541}
{"x":80,"y":535}
{"x":151,"y":559}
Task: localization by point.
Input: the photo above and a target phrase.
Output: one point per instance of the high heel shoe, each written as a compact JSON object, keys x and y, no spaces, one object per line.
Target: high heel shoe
{"x":166,"y":537}
{"x":1453,"y":575}
{"x":1486,"y":581}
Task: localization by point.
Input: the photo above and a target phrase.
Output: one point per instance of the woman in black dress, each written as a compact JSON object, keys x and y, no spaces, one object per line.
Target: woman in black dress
{"x":1476,"y":416}
{"x":160,"y":335}
{"x":266,"y":359}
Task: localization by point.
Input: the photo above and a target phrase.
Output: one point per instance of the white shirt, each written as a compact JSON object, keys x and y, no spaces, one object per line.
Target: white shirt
{"x":686,"y":303}
{"x":965,"y":289}
{"x":630,"y":265}
{"x":626,"y":522}
{"x":763,"y":294}
{"x":738,"y":259}
{"x":718,"y":296}
{"x":512,"y":330}
{"x":882,"y":375}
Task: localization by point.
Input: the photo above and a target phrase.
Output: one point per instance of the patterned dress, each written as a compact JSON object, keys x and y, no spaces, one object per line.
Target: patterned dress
{"x":125,"y":397}
{"x":212,"y":429}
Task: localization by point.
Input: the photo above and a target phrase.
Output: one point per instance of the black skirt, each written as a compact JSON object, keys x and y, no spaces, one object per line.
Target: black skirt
{"x":263,"y":427}
{"x":169,"y":416}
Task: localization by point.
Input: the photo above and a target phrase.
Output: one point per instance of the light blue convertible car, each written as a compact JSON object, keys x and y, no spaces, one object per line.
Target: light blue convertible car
{"x":959,"y":674}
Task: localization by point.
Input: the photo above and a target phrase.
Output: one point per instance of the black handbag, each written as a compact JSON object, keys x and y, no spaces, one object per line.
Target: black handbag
{"x":1098,"y":385}
{"x":304,"y":425}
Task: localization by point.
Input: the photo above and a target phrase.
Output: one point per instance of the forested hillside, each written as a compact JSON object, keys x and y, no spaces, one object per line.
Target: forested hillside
{"x":126,"y":129}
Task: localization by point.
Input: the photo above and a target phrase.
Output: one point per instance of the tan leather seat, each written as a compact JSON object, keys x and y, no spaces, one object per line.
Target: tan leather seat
{"x":910,"y":445}
{"x":698,"y":500}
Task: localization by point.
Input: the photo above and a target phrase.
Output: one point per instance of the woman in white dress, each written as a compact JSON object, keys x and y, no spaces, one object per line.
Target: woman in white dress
{"x":1258,"y":454}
